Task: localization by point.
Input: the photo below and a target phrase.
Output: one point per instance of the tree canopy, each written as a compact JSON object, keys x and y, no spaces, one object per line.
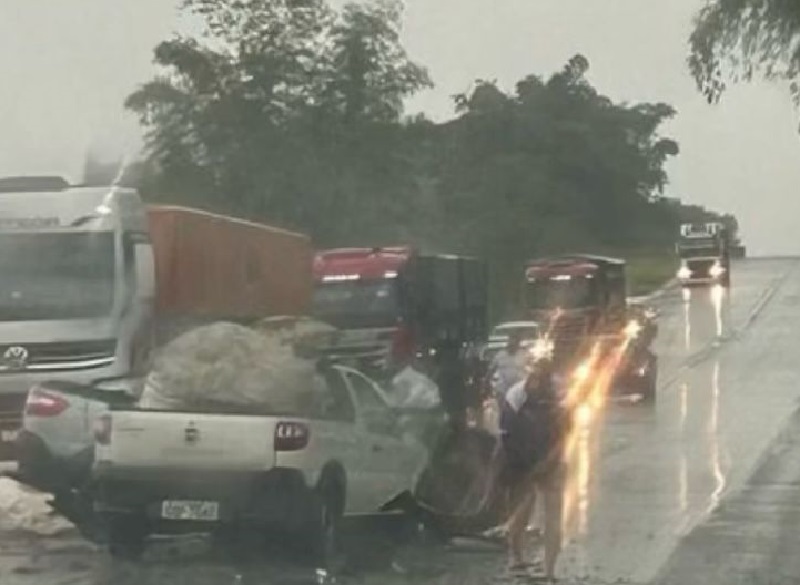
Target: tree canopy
{"x":291,"y":112}
{"x":737,"y":40}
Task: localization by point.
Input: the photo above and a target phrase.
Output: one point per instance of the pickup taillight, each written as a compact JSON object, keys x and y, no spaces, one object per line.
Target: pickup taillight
{"x":102,"y":429}
{"x":45,"y":404}
{"x":291,"y":436}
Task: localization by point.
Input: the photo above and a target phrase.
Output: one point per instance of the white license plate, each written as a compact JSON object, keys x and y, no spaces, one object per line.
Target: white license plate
{"x":185,"y":510}
{"x":9,"y":436}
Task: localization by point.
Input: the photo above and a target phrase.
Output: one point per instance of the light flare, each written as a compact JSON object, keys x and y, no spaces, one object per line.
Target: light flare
{"x":717,"y":296}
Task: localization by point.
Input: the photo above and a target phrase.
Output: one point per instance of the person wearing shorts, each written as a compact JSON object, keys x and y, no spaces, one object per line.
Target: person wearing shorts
{"x":534,"y":427}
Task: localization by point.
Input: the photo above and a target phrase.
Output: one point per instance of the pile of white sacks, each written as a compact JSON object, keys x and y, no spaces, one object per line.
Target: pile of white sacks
{"x":25,"y":510}
{"x":229,"y":366}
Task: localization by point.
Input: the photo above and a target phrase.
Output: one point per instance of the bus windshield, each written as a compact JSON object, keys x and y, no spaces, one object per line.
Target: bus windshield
{"x":56,"y":275}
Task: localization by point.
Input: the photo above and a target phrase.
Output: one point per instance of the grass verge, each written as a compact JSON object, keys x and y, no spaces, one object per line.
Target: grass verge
{"x":647,"y":273}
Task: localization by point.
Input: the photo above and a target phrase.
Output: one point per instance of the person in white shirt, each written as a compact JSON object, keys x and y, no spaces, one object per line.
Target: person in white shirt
{"x":508,"y":366}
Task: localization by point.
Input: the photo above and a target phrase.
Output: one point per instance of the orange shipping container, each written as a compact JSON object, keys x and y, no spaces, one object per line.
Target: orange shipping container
{"x":216,"y":267}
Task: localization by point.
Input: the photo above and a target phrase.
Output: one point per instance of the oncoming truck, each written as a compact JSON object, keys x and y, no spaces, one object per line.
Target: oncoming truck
{"x":705,"y":254}
{"x":581,"y":305}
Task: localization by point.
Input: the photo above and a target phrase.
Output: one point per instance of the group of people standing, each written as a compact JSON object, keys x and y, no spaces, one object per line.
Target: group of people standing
{"x":533,"y":426}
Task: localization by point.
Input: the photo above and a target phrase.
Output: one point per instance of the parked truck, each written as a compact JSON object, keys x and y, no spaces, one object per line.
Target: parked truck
{"x":705,"y":254}
{"x":581,"y":304}
{"x":93,"y":281}
{"x":396,"y":306}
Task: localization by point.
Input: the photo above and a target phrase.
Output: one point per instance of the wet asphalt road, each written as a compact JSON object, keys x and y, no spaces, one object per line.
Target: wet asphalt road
{"x":644,"y":480}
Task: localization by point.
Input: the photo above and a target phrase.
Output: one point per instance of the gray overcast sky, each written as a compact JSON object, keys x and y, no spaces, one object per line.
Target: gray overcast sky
{"x":67,"y":66}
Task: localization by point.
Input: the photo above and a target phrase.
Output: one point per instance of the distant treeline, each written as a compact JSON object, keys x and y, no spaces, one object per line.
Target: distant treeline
{"x":291,"y":113}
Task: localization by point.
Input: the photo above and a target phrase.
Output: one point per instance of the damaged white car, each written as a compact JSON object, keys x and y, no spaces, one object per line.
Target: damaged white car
{"x":233,"y":430}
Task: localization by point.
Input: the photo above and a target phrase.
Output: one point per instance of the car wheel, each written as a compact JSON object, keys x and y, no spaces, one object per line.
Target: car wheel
{"x":324,"y":535}
{"x":126,"y":537}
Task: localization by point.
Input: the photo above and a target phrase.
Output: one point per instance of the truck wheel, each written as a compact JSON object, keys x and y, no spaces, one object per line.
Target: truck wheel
{"x":126,"y":537}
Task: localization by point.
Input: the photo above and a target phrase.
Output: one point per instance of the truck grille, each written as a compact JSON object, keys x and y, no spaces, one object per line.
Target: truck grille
{"x":700,"y":268}
{"x":11,"y":406}
{"x":63,"y":354}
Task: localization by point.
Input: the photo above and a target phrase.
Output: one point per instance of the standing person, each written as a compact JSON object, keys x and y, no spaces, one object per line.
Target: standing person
{"x":508,"y":366}
{"x":534,"y":427}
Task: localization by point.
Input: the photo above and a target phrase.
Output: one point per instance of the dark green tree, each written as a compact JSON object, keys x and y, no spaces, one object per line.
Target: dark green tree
{"x":739,"y":40}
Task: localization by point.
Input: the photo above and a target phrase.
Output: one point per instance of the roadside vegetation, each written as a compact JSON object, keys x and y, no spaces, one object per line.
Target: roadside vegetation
{"x":292,"y":113}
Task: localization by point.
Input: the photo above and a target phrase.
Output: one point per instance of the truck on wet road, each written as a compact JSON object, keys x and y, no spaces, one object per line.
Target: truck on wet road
{"x":158,"y":271}
{"x":705,"y":254}
{"x":581,"y":304}
{"x":76,"y":290}
{"x":396,"y":306}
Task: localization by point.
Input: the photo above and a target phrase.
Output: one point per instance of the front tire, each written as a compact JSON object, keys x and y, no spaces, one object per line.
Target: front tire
{"x":323,"y":538}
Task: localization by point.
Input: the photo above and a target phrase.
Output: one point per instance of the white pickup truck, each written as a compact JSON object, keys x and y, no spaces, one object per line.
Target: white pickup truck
{"x":171,"y":471}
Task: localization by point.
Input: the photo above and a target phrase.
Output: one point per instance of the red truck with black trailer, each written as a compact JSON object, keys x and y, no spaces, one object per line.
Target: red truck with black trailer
{"x":581,"y":303}
{"x":397,"y":306}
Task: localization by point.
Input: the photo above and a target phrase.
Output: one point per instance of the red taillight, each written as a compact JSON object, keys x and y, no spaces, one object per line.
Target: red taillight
{"x":291,"y":436}
{"x":43,"y":403}
{"x":102,"y":429}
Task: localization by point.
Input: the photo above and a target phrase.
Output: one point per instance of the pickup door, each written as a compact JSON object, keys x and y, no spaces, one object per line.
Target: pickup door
{"x":395,"y":461}
{"x":147,"y":439}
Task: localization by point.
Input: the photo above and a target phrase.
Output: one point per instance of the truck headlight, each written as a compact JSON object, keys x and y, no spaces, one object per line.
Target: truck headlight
{"x":716,"y":271}
{"x":684,"y":272}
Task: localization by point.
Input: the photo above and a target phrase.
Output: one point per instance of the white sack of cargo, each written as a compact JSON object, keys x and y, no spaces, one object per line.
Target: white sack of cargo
{"x":25,"y":510}
{"x":224,"y":366}
{"x":303,"y":333}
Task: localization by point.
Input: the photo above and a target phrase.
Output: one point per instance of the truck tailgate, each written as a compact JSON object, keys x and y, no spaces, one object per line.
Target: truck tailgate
{"x":177,"y":440}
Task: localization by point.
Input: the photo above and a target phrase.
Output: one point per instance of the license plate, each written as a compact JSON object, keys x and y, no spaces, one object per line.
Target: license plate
{"x":9,"y":436}
{"x":183,"y":510}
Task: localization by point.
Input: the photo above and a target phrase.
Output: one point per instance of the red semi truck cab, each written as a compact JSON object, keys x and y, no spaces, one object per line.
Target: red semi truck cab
{"x":357,"y":291}
{"x":394,"y":304}
{"x":581,"y":303}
